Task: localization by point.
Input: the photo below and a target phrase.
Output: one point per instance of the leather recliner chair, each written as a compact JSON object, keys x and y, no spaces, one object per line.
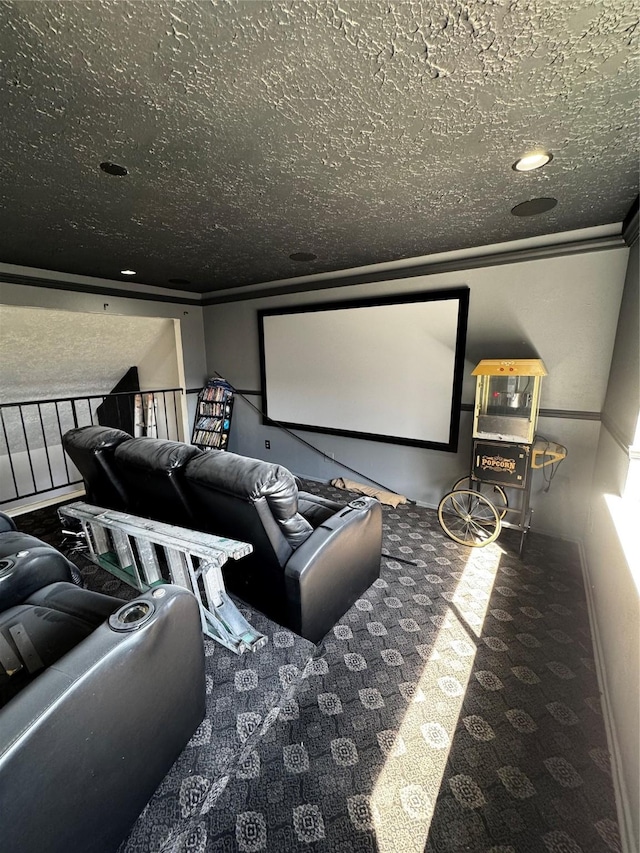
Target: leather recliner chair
{"x":98,"y":698}
{"x":312,"y":557}
{"x":93,"y":449}
{"x":152,"y":480}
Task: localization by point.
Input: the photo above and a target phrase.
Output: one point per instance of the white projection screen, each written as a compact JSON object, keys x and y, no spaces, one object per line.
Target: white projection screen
{"x":388,"y":369}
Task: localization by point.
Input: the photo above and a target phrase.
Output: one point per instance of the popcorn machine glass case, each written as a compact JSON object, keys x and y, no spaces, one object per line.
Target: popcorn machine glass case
{"x":507,"y":399}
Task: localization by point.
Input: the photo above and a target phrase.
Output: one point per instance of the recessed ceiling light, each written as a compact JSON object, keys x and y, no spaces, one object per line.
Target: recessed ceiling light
{"x":114,"y":169}
{"x":303,"y":256}
{"x":127,"y":272}
{"x":534,"y":160}
{"x":534,"y":206}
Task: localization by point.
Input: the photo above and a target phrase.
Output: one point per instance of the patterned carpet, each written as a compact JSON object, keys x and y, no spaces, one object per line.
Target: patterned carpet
{"x":454,"y":708}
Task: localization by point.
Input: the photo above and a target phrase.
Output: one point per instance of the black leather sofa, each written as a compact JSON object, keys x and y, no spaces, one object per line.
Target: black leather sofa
{"x":312,"y":557}
{"x":98,"y":697}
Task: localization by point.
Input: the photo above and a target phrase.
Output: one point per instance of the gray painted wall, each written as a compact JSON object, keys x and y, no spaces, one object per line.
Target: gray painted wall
{"x":564,"y":309}
{"x":611,"y":547}
{"x":190,"y":316}
{"x":78,"y":353}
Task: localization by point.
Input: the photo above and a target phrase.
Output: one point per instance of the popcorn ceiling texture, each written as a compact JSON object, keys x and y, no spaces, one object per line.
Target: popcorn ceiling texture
{"x":361,"y":132}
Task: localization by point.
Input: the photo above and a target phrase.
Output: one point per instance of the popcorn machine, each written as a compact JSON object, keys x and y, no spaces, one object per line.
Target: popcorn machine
{"x":507,"y":399}
{"x":505,"y":449}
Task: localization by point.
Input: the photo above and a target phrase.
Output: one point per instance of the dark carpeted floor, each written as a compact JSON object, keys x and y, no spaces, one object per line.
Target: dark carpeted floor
{"x":455,"y":707}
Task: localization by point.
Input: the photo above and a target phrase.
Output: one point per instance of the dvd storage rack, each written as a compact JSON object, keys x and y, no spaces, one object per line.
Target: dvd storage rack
{"x":213,"y":415}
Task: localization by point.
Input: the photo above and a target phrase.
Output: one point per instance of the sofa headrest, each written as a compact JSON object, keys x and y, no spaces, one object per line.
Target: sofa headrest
{"x":155,"y":454}
{"x":94,"y":438}
{"x":252,"y":479}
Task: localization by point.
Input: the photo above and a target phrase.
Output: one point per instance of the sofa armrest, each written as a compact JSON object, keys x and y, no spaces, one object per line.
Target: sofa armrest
{"x":101,"y":727}
{"x":336,"y":564}
{"x":28,"y":564}
{"x":6,"y":523}
{"x":317,"y":509}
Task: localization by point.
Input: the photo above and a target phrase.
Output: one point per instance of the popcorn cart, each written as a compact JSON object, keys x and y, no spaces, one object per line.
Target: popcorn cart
{"x":505,"y":450}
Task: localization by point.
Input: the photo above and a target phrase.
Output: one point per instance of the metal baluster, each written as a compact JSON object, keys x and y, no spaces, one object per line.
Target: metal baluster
{"x":44,"y":442}
{"x":175,"y":415}
{"x":164,"y":407}
{"x":64,"y":455}
{"x":6,"y":441}
{"x":87,"y":402}
{"x":26,"y":441}
{"x":92,"y":413}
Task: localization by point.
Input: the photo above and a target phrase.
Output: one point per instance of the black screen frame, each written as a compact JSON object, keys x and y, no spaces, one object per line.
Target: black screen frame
{"x":461,"y":294}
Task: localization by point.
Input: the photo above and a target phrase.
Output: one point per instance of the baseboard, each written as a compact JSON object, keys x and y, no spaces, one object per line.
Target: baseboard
{"x":427,"y":505}
{"x":68,"y":496}
{"x":310,"y":477}
{"x":619,"y":787}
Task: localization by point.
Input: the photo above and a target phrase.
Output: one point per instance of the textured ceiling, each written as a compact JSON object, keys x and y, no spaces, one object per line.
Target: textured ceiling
{"x":362,"y":132}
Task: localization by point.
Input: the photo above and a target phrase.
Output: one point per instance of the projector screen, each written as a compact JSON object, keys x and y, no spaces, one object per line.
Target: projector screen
{"x":387,"y":369}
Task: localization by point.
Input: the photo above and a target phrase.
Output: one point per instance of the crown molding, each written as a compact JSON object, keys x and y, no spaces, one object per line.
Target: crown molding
{"x":469,"y":261}
{"x":98,"y":289}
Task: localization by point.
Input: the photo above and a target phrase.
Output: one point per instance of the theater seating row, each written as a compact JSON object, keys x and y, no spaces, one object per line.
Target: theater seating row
{"x":312,"y":557}
{"x":98,"y":697}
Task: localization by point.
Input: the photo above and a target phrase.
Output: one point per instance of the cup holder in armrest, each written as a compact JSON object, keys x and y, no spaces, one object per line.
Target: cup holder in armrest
{"x":131,"y":616}
{"x":5,"y":566}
